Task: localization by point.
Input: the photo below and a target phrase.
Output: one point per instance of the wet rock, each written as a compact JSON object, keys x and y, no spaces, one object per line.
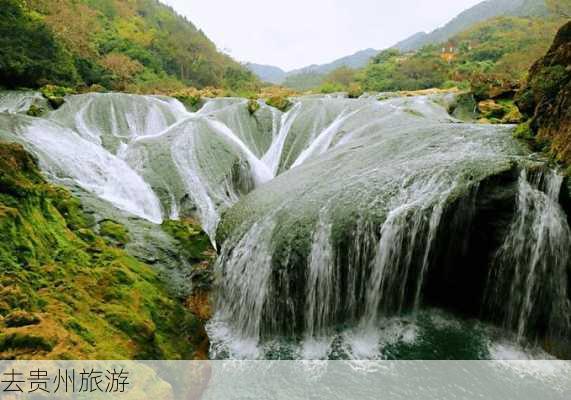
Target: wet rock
{"x":546,"y":97}
{"x":491,"y":109}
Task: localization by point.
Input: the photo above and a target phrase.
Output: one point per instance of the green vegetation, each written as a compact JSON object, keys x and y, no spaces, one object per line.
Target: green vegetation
{"x":491,"y":58}
{"x":29,"y":51}
{"x":70,"y":292}
{"x":35,"y":111}
{"x":192,"y":240}
{"x":501,"y":49}
{"x":114,"y":233}
{"x":559,"y":7}
{"x":55,"y":94}
{"x":130,"y":45}
{"x":253,"y":106}
{"x":545,"y":99}
{"x":280,"y":102}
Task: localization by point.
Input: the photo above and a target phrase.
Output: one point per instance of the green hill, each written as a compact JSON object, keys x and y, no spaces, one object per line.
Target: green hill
{"x":479,"y":13}
{"x":136,"y":45}
{"x":500,"y":49}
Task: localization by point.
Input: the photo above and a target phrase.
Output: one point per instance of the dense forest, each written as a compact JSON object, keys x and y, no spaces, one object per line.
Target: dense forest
{"x":136,"y":46}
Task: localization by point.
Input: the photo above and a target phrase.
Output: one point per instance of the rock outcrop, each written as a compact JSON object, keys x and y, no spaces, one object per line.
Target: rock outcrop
{"x":546,"y":98}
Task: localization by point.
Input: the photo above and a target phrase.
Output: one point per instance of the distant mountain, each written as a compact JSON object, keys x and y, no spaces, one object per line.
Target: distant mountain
{"x":276,"y":75}
{"x":313,"y":75}
{"x":355,"y":61}
{"x":480,"y":12}
{"x":268,"y":73}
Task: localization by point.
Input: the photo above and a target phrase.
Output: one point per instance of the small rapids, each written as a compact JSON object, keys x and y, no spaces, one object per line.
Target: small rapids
{"x":346,"y":228}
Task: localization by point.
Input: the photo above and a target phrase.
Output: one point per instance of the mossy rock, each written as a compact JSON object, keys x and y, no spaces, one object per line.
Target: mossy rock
{"x":115,"y":232}
{"x":22,"y":341}
{"x":193,"y":241}
{"x":55,"y":94}
{"x":20,"y":318}
{"x":253,"y":106}
{"x":523,"y":131}
{"x":490,"y":109}
{"x":500,"y":112}
{"x":80,"y":330}
{"x":280,"y":102}
{"x":35,"y":111}
{"x":143,"y":330}
{"x":513,"y":116}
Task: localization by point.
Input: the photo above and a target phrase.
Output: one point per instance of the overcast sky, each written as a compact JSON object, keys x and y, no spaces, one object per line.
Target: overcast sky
{"x":295,"y":33}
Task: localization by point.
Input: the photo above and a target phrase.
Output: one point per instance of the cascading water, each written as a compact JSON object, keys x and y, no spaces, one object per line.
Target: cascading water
{"x":334,"y":220}
{"x":357,"y":232}
{"x":69,"y":158}
{"x":528,"y":283}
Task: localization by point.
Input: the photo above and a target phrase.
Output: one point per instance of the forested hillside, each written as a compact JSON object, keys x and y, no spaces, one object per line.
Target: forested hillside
{"x":500,"y":49}
{"x":479,"y":13}
{"x":134,"y":45}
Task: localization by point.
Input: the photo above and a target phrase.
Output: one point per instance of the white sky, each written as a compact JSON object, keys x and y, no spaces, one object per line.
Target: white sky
{"x":295,"y":33}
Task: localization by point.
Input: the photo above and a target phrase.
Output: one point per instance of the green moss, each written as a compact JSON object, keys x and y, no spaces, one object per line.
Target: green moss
{"x":55,"y":94}
{"x":16,"y":341}
{"x":95,"y":300}
{"x":549,"y":81}
{"x":192,"y":102}
{"x":21,"y":318}
{"x":35,"y":111}
{"x":81,"y":331}
{"x":253,"y":106}
{"x":114,"y":232}
{"x":280,"y":102}
{"x":523,"y":131}
{"x":192,"y":240}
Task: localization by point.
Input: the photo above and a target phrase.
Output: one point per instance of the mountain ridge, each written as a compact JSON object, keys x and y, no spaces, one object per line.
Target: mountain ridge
{"x":276,"y":75}
{"x":478,"y":13}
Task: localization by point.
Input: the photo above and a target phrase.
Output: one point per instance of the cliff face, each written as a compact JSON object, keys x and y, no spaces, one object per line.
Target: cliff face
{"x":546,"y":98}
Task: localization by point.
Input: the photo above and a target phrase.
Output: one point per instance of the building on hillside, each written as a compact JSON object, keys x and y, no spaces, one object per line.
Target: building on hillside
{"x":449,"y":52}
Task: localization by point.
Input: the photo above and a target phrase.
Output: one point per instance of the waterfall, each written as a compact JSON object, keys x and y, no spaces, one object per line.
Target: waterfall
{"x":322,"y":281}
{"x":246,"y":301}
{"x":323,"y":141}
{"x":407,"y":237}
{"x":529,"y":276}
{"x":337,"y":214}
{"x":67,"y":157}
{"x":272,"y":157}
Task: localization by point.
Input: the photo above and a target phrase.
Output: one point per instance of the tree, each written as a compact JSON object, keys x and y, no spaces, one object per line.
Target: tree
{"x":29,"y":53}
{"x":342,"y":76}
{"x":122,"y":67}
